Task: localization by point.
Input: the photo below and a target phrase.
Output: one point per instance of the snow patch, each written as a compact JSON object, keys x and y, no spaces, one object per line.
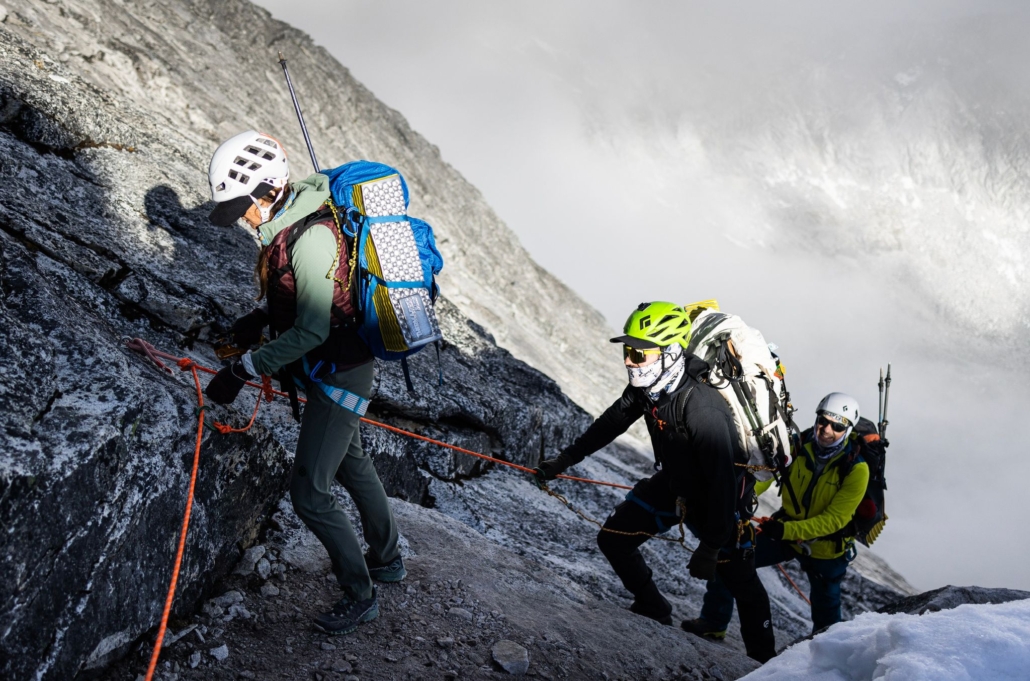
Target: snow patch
{"x":966,"y":643}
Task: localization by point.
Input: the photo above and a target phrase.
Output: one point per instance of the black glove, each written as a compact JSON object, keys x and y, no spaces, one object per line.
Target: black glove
{"x":227,"y":383}
{"x":773,"y":529}
{"x":703,"y":562}
{"x":246,"y":331}
{"x":549,"y":469}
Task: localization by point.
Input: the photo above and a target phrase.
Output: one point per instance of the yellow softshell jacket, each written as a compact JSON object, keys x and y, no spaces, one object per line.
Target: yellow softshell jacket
{"x":831,"y":503}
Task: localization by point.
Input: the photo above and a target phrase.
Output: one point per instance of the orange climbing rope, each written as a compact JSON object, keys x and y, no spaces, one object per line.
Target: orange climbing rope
{"x":185,"y":365}
{"x":268,"y":393}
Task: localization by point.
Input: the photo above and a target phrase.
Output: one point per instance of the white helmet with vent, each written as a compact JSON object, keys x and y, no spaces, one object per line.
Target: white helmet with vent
{"x":840,"y":408}
{"x":247,"y":165}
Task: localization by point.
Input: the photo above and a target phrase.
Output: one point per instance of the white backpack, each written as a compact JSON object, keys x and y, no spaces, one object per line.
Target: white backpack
{"x":748,"y":375}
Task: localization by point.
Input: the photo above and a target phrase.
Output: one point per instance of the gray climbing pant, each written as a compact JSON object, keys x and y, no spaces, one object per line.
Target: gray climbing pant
{"x":329,"y":447}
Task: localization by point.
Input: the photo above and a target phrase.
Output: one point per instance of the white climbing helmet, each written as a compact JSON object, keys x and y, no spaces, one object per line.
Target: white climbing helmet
{"x":841,"y":408}
{"x":245,"y":167}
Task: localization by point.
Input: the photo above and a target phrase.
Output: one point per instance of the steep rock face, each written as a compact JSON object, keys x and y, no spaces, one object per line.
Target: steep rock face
{"x":98,"y":444}
{"x":203,"y":71}
{"x":108,"y":115}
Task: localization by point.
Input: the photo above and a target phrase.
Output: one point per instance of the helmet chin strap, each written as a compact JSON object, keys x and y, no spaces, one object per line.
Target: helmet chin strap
{"x":266,"y":211}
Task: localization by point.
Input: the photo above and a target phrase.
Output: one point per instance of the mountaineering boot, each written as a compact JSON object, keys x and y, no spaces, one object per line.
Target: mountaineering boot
{"x":347,"y":614}
{"x":702,"y":627}
{"x":650,"y":602}
{"x":389,"y":572}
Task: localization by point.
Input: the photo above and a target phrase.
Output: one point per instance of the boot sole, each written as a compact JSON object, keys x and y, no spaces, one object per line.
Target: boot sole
{"x":366,"y":616}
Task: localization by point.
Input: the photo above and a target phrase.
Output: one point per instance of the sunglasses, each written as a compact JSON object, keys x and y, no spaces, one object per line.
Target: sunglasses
{"x":638,"y":356}
{"x":822,"y":421}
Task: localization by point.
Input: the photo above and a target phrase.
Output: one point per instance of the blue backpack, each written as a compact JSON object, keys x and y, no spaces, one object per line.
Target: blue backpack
{"x":393,"y":263}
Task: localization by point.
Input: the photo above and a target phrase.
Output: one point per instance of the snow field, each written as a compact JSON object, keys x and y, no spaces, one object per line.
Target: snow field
{"x":968,"y":643}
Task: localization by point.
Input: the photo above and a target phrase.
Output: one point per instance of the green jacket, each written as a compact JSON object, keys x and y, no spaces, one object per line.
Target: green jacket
{"x":827,"y":500}
{"x":312,"y":257}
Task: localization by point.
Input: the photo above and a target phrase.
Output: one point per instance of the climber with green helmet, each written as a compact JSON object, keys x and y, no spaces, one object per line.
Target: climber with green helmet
{"x":696,"y":449}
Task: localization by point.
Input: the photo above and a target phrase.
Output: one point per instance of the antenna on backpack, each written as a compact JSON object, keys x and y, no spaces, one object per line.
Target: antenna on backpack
{"x":300,"y":116}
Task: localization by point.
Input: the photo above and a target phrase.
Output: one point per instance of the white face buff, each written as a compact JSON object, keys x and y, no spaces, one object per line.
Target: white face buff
{"x":660,"y":374}
{"x":645,"y":376}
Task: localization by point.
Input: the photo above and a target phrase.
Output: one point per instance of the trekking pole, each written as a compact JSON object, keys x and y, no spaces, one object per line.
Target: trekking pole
{"x":296,"y":107}
{"x":879,"y":420}
{"x":886,"y":396}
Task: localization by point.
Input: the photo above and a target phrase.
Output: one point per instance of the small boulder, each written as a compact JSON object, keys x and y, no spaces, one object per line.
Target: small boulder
{"x":512,"y":657}
{"x":268,"y":590}
{"x":250,"y":558}
{"x":221,"y":653}
{"x":229,"y":598}
{"x":263,"y":569}
{"x":460,"y":613}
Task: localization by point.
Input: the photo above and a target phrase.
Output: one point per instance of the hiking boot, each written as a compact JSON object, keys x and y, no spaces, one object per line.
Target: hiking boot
{"x":702,"y":627}
{"x":647,"y":610}
{"x":390,"y":572}
{"x":348,"y":614}
{"x":650,"y":603}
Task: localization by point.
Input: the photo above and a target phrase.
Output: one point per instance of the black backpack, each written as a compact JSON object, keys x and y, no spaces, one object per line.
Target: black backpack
{"x":870,"y":516}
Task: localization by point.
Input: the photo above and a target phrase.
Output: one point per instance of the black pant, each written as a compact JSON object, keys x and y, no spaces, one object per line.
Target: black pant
{"x":737,"y":573}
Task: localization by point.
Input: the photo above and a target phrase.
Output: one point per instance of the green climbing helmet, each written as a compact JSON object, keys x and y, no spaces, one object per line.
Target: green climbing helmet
{"x":656,"y":325}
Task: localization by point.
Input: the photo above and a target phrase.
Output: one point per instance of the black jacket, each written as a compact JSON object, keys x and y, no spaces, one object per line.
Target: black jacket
{"x":697,"y":449}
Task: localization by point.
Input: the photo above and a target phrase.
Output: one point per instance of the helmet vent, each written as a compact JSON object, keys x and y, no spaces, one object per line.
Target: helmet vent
{"x":239,"y":177}
{"x":260,"y":153}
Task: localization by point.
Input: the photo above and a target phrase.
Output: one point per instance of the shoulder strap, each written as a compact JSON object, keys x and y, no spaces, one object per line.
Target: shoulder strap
{"x":679,"y":406}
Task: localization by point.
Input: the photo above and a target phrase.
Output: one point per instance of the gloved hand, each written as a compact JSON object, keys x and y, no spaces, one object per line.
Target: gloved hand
{"x":227,"y":383}
{"x":246,"y":331}
{"x":549,"y":469}
{"x":703,"y":562}
{"x":773,"y":529}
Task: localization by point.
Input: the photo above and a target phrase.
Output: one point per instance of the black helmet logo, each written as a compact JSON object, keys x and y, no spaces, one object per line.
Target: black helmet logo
{"x":645,"y":322}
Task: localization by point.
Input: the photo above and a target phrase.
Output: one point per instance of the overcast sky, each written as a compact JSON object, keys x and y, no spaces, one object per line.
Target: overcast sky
{"x":815,"y":166}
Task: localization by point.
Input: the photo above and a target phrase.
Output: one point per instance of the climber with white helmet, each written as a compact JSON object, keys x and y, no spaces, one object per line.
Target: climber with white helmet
{"x":697,"y":482}
{"x":304,"y":273}
{"x":248,"y":174}
{"x":826,"y":482}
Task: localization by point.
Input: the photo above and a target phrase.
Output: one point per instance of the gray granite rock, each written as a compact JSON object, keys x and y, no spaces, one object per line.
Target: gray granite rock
{"x":108,"y":116}
{"x":511,"y":657}
{"x":249,"y":560}
{"x":103,"y":235}
{"x":949,"y":597}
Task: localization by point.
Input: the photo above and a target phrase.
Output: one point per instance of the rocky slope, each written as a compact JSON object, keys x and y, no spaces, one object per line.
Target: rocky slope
{"x":200,"y":72}
{"x":108,"y":115}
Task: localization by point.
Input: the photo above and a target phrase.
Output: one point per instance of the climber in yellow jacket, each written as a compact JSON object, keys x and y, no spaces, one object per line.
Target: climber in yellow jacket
{"x":824,"y":487}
